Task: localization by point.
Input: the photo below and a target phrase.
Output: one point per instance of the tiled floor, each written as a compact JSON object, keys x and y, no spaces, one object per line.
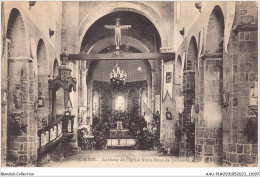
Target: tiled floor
{"x":123,"y":158}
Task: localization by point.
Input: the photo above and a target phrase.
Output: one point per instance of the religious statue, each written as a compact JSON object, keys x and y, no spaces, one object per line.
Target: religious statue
{"x":117,"y":29}
{"x":253,"y":95}
{"x":17,"y":97}
{"x":119,"y":125}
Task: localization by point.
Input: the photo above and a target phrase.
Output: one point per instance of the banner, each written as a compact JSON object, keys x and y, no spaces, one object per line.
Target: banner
{"x":168,"y":79}
{"x":158,"y":103}
{"x":179,"y":104}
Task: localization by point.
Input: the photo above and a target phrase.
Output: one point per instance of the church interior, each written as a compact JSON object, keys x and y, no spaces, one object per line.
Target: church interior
{"x":173,"y":78}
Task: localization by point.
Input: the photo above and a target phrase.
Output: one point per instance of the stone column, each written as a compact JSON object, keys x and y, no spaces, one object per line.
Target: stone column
{"x":83,"y":91}
{"x":22,"y":147}
{"x":167,"y":127}
{"x":4,"y":91}
{"x":209,"y":128}
{"x":189,"y":96}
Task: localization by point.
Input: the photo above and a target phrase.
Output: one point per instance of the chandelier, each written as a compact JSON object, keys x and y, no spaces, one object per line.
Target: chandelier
{"x":117,"y":77}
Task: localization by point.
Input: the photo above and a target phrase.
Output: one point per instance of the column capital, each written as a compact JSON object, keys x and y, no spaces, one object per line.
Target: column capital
{"x":215,"y":56}
{"x":20,"y":59}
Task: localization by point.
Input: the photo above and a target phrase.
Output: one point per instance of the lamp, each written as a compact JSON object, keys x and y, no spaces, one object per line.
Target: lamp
{"x":117,"y":77}
{"x":51,"y":32}
{"x":139,"y":69}
{"x":168,"y":114}
{"x":198,"y":5}
{"x":31,"y":3}
{"x":40,"y":100}
{"x":182,"y":32}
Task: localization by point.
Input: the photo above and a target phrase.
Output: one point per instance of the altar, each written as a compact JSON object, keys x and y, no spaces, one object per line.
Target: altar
{"x":120,"y":137}
{"x":119,"y":133}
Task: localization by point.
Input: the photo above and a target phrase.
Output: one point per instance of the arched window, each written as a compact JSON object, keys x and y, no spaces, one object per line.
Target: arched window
{"x":132,"y":100}
{"x":178,"y":71}
{"x":107,"y":100}
{"x":96,"y":102}
{"x":215,"y":32}
{"x":120,"y":101}
{"x":55,"y":69}
{"x":43,"y":77}
{"x":144,"y":101}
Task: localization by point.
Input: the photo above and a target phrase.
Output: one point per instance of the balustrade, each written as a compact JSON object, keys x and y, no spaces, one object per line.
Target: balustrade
{"x":53,"y":133}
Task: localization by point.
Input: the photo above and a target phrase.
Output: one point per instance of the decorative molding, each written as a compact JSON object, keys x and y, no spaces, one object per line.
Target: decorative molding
{"x":166,"y":50}
{"x":120,"y":56}
{"x":65,"y":84}
{"x":20,"y":59}
{"x":188,"y":71}
{"x":211,"y":55}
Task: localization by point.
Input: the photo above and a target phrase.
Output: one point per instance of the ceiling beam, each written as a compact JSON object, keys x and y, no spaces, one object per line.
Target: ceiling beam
{"x":122,"y":56}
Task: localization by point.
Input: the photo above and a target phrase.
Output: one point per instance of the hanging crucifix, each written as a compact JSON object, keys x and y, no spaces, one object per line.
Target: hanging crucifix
{"x":117,"y":29}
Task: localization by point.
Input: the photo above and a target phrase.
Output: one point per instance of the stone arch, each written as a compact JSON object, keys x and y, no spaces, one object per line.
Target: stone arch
{"x":55,"y":69}
{"x":106,"y":100}
{"x":210,"y":110}
{"x":192,"y":54}
{"x":21,"y":88}
{"x":132,"y":99}
{"x":42,"y":58}
{"x":139,"y":8}
{"x":16,"y":49}
{"x":188,"y":86}
{"x":119,"y":104}
{"x":96,"y":101}
{"x":178,"y":70}
{"x":143,"y":99}
{"x":43,"y":90}
{"x":16,"y":34}
{"x":215,"y":31}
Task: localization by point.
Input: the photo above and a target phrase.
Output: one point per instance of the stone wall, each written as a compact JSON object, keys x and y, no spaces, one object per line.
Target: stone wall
{"x":240,"y":71}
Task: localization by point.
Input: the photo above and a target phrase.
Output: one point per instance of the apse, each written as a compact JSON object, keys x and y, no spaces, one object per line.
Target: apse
{"x":132,"y":94}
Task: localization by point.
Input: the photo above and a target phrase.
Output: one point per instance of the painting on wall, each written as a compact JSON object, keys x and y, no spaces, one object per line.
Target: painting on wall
{"x":168,"y":75}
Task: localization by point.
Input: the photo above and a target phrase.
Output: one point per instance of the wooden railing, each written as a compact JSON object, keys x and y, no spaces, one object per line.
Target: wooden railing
{"x":54,"y":132}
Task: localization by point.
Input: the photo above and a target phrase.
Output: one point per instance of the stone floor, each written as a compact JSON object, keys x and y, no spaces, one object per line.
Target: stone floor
{"x":123,"y":158}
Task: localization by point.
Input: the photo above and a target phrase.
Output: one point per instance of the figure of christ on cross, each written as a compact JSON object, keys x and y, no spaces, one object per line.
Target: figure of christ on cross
{"x":117,"y":29}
